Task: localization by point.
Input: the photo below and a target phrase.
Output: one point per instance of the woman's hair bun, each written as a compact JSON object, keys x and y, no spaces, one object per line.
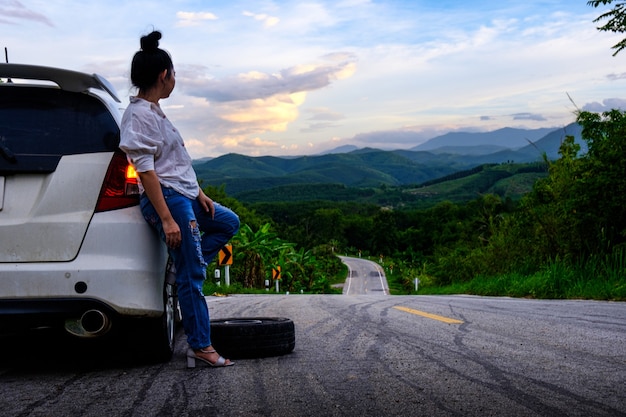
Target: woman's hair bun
{"x":150,"y":42}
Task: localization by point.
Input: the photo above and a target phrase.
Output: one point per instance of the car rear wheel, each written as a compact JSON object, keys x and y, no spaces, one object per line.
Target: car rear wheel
{"x":253,"y":337}
{"x":155,"y":338}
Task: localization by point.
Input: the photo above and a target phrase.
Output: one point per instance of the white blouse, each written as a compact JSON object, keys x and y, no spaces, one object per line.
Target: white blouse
{"x":152,"y":143}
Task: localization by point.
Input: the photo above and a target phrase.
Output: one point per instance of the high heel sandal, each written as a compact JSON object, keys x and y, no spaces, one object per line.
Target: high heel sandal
{"x":191,"y":359}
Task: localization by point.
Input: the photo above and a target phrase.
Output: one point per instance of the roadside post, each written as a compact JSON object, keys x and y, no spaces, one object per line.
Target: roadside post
{"x":417,"y":283}
{"x":276,"y":277}
{"x":217,"y":277}
{"x":225,"y":259}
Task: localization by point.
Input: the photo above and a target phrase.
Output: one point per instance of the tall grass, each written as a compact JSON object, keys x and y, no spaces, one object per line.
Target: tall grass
{"x":596,"y":278}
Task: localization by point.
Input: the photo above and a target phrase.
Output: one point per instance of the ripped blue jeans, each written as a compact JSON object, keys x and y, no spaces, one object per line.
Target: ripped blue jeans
{"x":202,"y":238}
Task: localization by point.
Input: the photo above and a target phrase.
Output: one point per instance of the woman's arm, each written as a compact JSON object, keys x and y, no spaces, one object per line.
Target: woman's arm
{"x":206,"y":203}
{"x":152,"y":188}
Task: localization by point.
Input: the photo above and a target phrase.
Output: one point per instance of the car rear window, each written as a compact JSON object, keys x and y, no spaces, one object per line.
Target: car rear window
{"x":39,"y":125}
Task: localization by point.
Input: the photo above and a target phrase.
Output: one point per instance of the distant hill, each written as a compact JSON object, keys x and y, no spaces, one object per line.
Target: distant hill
{"x":373,"y":168}
{"x":548,"y":144}
{"x":507,"y":137}
{"x":509,"y":181}
{"x":469,"y":150}
{"x":341,"y":149}
{"x":362,"y":168}
{"x":506,"y":180}
{"x":551,"y":142}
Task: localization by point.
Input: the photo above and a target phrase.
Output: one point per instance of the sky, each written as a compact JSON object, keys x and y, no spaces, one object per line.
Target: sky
{"x":300,"y":77}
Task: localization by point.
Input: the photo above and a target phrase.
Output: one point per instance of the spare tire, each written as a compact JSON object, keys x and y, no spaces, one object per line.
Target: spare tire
{"x":253,"y":337}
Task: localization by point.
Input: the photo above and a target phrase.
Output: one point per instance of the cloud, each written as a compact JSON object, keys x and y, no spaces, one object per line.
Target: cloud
{"x":258,"y":85}
{"x":615,"y":77}
{"x":12,"y":11}
{"x":324,"y":114}
{"x":486,"y":118}
{"x":261,"y":115}
{"x":405,"y":138}
{"x":316,"y":127}
{"x":237,"y":110}
{"x":529,"y":116}
{"x":268,"y":21}
{"x":257,"y":143}
{"x":186,"y":19}
{"x":236,"y":126}
{"x":321,"y":119}
{"x":392,"y":139}
{"x":607,"y":104}
{"x":257,"y":103}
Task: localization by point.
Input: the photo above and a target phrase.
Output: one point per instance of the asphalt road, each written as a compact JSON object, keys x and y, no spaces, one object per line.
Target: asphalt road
{"x":366,"y":355}
{"x":364,"y":277}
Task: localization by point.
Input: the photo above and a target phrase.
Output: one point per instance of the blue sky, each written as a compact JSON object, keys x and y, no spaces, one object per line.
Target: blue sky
{"x":300,"y":77}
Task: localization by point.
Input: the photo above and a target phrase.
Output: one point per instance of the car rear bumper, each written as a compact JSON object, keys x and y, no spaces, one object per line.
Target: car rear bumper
{"x":120,"y":269}
{"x":18,"y":315}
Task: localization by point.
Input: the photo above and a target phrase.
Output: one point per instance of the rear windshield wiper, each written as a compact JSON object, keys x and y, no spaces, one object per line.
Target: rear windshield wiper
{"x":6,"y":152}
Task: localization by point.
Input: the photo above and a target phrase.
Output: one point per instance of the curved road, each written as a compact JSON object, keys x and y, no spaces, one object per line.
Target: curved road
{"x":364,"y":277}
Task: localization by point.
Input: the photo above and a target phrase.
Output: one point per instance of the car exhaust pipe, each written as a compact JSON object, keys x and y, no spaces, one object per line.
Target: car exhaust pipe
{"x":92,"y":323}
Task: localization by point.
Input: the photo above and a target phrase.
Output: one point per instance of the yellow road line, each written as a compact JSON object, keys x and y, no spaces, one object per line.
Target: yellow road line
{"x":428,"y":315}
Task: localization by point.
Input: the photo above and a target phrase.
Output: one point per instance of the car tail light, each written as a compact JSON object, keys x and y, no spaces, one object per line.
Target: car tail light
{"x":120,"y":188}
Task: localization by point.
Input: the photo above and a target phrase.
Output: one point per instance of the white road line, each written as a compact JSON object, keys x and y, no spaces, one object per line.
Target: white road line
{"x":349,"y":279}
{"x":382,"y":282}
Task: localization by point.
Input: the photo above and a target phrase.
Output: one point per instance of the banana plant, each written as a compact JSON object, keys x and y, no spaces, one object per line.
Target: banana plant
{"x":255,"y":253}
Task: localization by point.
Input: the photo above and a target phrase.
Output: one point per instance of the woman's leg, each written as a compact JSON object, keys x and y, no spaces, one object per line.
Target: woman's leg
{"x":190,"y":267}
{"x":216,"y":231}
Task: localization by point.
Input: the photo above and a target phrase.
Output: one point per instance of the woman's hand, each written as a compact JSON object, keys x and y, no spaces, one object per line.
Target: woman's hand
{"x":171,"y":229}
{"x":206,"y":203}
{"x":173,"y":237}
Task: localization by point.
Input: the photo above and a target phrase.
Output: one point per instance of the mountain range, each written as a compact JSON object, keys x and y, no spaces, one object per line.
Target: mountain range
{"x":368,"y":167}
{"x":506,"y":138}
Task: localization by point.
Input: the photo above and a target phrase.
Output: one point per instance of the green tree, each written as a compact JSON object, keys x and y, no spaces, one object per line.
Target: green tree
{"x":255,"y":253}
{"x":578,"y":211}
{"x":547,"y":213}
{"x":616,"y":20}
{"x":358,"y":232}
{"x":599,"y":191}
{"x":246,"y":215}
{"x":300,"y":269}
{"x":384,"y":233}
{"x":327,"y":225}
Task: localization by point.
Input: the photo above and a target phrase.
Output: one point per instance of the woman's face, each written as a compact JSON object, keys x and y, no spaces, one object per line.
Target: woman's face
{"x":168,"y":83}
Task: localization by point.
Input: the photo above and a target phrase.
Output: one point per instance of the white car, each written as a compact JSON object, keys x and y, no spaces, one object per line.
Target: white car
{"x":75,"y":251}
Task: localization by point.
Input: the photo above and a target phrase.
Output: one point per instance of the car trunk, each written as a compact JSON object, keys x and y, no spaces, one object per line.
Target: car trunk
{"x":55,"y":147}
{"x":44,"y":217}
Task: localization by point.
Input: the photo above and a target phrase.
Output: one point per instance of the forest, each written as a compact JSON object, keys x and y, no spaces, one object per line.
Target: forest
{"x":564,"y":238}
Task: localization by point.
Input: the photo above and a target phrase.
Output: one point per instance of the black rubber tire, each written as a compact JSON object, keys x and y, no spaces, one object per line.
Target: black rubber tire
{"x":154,"y":339}
{"x":253,"y":337}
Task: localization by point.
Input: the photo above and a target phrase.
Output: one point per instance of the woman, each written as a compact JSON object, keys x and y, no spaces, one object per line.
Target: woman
{"x":193,"y":227}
